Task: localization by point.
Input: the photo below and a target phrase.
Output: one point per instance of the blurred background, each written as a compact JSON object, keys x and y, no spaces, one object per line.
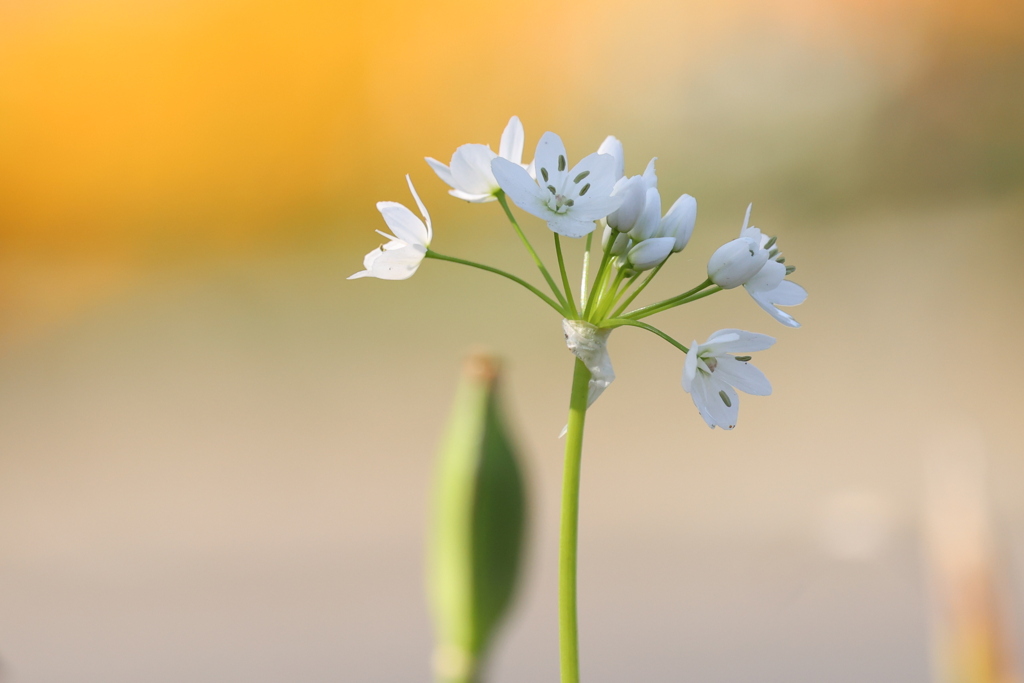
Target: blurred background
{"x":216,"y":453}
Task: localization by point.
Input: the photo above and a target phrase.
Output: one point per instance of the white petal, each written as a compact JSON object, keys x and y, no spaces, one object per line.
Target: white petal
{"x":763,"y":300}
{"x":550,"y":158}
{"x":737,"y":341}
{"x":690,"y":366}
{"x":512,"y":139}
{"x":393,"y":261}
{"x":475,"y":198}
{"x":520,"y":187}
{"x":423,"y":210}
{"x":768,"y":278}
{"x":442,"y":171}
{"x":613,"y":147}
{"x":679,"y":221}
{"x":593,"y":176}
{"x":647,"y":225}
{"x":743,"y":376}
{"x":650,"y":175}
{"x":569,"y":224}
{"x":404,"y":223}
{"x":746,"y":218}
{"x":471,"y":169}
{"x":595,"y":208}
{"x":788,"y":294}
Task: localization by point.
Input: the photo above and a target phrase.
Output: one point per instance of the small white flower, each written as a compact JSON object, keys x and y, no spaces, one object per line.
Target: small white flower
{"x":633,"y":192}
{"x":646,"y":225}
{"x":470,"y":174}
{"x":570,"y":200}
{"x":711,"y":372}
{"x":735,"y":262}
{"x":769,"y":288}
{"x":399,"y":258}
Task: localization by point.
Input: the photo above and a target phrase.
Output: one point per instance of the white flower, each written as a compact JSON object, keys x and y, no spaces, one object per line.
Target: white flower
{"x":399,"y":258}
{"x":570,"y":200}
{"x":711,"y":373}
{"x":470,"y":174}
{"x":633,"y":192}
{"x":679,"y":221}
{"x":735,"y":262}
{"x":769,"y":288}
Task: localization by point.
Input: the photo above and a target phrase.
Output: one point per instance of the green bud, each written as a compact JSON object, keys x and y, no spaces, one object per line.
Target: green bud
{"x":478,"y":526}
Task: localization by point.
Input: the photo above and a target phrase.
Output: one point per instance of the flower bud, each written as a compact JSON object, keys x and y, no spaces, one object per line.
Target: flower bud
{"x":613,"y":147}
{"x":620,"y":244}
{"x":679,"y":222}
{"x":734,"y":263}
{"x":646,"y":225}
{"x":633,"y":191}
{"x":650,"y":253}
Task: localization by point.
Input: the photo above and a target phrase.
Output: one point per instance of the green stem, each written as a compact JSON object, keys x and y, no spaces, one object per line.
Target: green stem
{"x":568,"y":635}
{"x":619,"y":322}
{"x":565,"y":276}
{"x":472,"y":264}
{"x":529,"y":248}
{"x":671,"y":302}
{"x":586,"y":271}
{"x":595,"y":292}
{"x":636,"y":292}
{"x":609,"y":297}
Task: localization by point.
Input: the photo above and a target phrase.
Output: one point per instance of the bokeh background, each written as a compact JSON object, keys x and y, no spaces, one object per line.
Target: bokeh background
{"x":215,"y":452}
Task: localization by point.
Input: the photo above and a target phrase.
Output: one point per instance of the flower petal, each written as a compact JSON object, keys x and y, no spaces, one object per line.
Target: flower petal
{"x":520,"y":187}
{"x":551,"y":162}
{"x":651,"y":252}
{"x":650,"y":175}
{"x":743,"y":376}
{"x":569,"y":224}
{"x":442,"y":171}
{"x":763,"y":299}
{"x":690,"y":366}
{"x":613,"y":147}
{"x":768,"y":278}
{"x":471,"y":169}
{"x":393,"y":261}
{"x":788,"y":294}
{"x":736,"y":341}
{"x":475,"y":198}
{"x":512,"y":139}
{"x":404,"y":223}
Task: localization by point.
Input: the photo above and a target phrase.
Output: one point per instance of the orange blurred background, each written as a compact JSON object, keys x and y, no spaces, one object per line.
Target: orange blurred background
{"x":201,"y":477}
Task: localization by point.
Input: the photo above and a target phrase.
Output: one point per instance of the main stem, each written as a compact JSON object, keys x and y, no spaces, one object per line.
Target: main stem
{"x":568,"y":637}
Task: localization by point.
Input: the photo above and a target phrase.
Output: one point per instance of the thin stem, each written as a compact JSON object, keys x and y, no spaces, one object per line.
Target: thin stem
{"x":595,"y":293}
{"x":619,"y":322}
{"x":586,"y":271}
{"x":644,"y":312}
{"x":529,"y":248}
{"x":545,"y":298}
{"x":639,"y":289}
{"x":609,"y":297}
{"x":671,"y":301}
{"x":568,"y":635}
{"x":565,"y":276}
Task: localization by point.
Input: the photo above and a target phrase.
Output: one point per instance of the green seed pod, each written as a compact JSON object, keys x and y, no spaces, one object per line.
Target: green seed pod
{"x":478,"y":526}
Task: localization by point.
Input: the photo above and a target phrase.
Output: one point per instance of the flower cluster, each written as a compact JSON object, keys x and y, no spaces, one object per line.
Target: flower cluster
{"x":635,"y":237}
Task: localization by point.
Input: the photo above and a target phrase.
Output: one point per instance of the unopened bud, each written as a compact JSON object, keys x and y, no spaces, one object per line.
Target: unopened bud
{"x":679,"y":221}
{"x":650,"y":253}
{"x":633,"y":193}
{"x":646,"y":225}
